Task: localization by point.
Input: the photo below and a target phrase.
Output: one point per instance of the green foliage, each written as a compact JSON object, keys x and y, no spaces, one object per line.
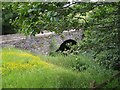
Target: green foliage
{"x":100,"y":22}
{"x":21,"y":69}
{"x":52,"y":47}
{"x":7,"y":15}
{"x":80,"y":65}
{"x":102,"y":33}
{"x":53,"y":16}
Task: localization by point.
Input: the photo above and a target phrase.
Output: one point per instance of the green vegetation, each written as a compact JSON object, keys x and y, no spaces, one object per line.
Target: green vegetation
{"x":53,"y":45}
{"x":100,"y":22}
{"x":21,"y":69}
{"x":98,"y":53}
{"x":102,"y":34}
{"x":7,"y":16}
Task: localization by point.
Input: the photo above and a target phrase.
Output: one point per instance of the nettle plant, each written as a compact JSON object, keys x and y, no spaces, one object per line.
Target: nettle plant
{"x":79,"y":65}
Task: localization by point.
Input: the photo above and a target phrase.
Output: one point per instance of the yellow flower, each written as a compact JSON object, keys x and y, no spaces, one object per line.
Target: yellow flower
{"x":21,"y":55}
{"x":34,"y":61}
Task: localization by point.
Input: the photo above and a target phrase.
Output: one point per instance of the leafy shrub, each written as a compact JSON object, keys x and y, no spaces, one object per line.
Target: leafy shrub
{"x":7,"y":16}
{"x":79,"y":66}
{"x":102,"y":35}
{"x":109,"y":58}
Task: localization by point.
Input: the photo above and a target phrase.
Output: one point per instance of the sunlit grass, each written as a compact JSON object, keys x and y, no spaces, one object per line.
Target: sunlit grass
{"x":22,"y":69}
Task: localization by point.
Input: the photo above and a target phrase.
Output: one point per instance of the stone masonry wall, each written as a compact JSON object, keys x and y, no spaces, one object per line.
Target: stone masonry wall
{"x":41,"y":43}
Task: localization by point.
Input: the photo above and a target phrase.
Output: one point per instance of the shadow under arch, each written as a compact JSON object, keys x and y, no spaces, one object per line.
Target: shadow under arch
{"x":64,"y":46}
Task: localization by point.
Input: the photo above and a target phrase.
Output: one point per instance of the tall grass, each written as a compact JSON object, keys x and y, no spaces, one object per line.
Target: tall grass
{"x":21,"y":69}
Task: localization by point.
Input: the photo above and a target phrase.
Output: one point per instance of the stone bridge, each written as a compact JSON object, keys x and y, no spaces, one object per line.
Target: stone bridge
{"x":41,"y":43}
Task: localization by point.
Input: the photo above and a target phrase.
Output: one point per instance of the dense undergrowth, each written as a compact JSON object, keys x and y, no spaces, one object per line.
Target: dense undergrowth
{"x":22,"y":69}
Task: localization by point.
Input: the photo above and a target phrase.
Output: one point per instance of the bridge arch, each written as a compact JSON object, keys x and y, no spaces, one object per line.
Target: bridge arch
{"x":66,"y":45}
{"x":41,"y":43}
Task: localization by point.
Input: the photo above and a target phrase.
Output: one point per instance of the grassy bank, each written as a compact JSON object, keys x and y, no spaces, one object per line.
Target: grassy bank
{"x":21,"y":69}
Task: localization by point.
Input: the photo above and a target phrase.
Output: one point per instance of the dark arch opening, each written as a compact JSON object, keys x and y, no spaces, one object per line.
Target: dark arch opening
{"x":65,"y":45}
